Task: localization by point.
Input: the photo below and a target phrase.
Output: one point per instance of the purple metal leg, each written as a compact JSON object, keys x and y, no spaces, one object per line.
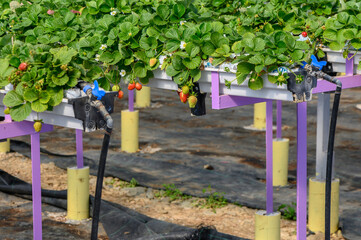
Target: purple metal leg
{"x":36,"y":186}
{"x":131,"y":100}
{"x":349,"y":65}
{"x":301,"y":171}
{"x":269,"y":157}
{"x":279,"y":119}
{"x":79,"y":148}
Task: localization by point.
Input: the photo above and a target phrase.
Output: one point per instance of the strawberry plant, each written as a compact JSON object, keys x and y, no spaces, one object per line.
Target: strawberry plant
{"x":47,"y":46}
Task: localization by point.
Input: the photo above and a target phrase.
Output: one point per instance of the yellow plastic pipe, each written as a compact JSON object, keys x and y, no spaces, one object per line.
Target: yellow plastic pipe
{"x":5,"y":146}
{"x":129,"y":131}
{"x":316,"y":208}
{"x":259,"y":118}
{"x":268,"y":226}
{"x":142,"y":99}
{"x":280,"y":161}
{"x":78,"y":193}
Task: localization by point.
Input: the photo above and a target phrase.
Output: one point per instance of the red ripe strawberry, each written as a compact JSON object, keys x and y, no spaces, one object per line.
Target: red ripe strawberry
{"x":131,"y":86}
{"x":304,"y":34}
{"x":120,"y":94}
{"x":23,"y":66}
{"x":183,"y":97}
{"x":138,"y":86}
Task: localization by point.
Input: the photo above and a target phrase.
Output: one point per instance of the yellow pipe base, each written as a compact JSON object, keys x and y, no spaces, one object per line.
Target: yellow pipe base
{"x":129,"y":131}
{"x":5,"y":146}
{"x":268,"y":226}
{"x":78,"y":193}
{"x":142,"y":99}
{"x":259,"y":118}
{"x":280,"y":161}
{"x":316,"y":207}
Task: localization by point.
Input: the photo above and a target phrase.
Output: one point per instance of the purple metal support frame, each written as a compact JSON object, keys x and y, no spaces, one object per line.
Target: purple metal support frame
{"x":269,"y":157}
{"x":36,"y":185}
{"x":301,"y":171}
{"x":79,"y":148}
{"x":131,"y":100}
{"x":10,"y":129}
{"x":279,"y":119}
{"x":228,"y":101}
{"x":349,"y":65}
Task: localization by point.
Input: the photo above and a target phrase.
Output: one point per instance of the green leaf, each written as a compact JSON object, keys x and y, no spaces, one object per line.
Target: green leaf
{"x":106,"y":57}
{"x":205,"y":27}
{"x":179,"y":10}
{"x":245,"y":68}
{"x":63,"y":55}
{"x":290,"y":42}
{"x":44,"y":97}
{"x":140,"y":70}
{"x":257,"y":59}
{"x":336,"y":46}
{"x":192,"y":49}
{"x":4,"y":64}
{"x":208,"y":48}
{"x":37,"y":106}
{"x":21,"y":112}
{"x":349,"y":33}
{"x":60,"y":81}
{"x":259,"y":44}
{"x":356,"y":43}
{"x":163,"y":11}
{"x":272,"y":79}
{"x":248,"y":42}
{"x":343,"y":17}
{"x":56,"y":96}
{"x":195,"y":74}
{"x":171,"y":72}
{"x":297,"y":55}
{"x":241,"y":78}
{"x":237,"y":47}
{"x":148,"y":43}
{"x":172,"y":34}
{"x":301,"y":45}
{"x":269,"y":60}
{"x":31,"y":95}
{"x":259,"y":68}
{"x":172,"y":45}
{"x":15,"y":62}
{"x":68,"y":17}
{"x":192,"y":63}
{"x":177,"y":63}
{"x":12,"y":99}
{"x":217,"y":27}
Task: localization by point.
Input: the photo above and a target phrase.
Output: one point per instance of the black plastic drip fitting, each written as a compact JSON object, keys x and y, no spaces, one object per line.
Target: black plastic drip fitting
{"x":102,"y":162}
{"x":331,"y":143}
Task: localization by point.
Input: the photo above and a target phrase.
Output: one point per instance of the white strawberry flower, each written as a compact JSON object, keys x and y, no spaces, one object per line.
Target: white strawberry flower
{"x":97,"y":57}
{"x":161,"y":59}
{"x":183,"y":45}
{"x":103,"y":47}
{"x":182,"y":23}
{"x":113,"y":13}
{"x":122,"y":73}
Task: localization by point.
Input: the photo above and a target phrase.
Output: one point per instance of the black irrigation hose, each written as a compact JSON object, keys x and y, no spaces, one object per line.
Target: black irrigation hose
{"x":101,"y":168}
{"x":331,"y":141}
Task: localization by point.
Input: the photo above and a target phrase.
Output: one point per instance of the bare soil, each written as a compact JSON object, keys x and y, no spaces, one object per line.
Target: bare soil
{"x":231,"y":219}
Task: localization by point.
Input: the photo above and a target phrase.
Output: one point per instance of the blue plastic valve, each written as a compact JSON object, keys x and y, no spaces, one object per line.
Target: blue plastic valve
{"x":95,"y":91}
{"x":315,"y":63}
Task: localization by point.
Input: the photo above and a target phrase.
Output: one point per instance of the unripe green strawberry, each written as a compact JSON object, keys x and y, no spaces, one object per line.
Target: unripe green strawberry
{"x":115,"y":88}
{"x":7,"y":111}
{"x":192,"y":101}
{"x":37,"y":126}
{"x":152,"y":62}
{"x":185,"y":89}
